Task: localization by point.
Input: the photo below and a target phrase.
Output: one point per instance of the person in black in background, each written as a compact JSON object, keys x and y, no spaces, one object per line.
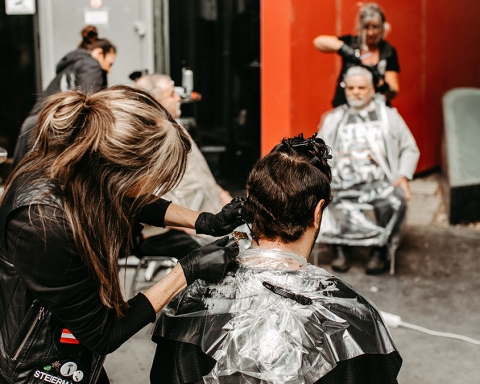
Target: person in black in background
{"x":368,"y":49}
{"x":86,"y":68}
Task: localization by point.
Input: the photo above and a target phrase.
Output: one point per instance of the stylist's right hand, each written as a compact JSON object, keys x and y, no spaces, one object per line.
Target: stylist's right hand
{"x":209,"y":262}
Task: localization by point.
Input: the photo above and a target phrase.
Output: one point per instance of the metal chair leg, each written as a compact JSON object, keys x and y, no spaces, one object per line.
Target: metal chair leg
{"x":391,"y":254}
{"x":156,"y":262}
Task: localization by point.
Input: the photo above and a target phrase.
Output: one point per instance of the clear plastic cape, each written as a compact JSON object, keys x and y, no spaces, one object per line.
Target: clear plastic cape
{"x":262,"y":337}
{"x":371,"y":215}
{"x":366,"y":209}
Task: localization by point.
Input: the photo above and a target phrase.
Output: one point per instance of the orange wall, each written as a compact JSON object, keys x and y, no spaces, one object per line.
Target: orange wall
{"x":437,"y":45}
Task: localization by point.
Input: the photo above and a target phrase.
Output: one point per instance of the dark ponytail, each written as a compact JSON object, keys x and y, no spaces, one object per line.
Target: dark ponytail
{"x":89,"y":36}
{"x":91,"y":41}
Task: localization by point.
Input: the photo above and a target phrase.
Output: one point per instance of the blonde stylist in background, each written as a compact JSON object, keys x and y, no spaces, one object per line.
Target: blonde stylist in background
{"x":369,"y":49}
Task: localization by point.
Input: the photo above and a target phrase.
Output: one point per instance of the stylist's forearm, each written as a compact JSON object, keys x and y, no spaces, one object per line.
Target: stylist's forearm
{"x":326,"y":43}
{"x":166,"y":289}
{"x":180,"y":216}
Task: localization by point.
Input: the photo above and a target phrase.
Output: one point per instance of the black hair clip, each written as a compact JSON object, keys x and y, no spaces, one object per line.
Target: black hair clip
{"x":311,"y":142}
{"x":289,"y":295}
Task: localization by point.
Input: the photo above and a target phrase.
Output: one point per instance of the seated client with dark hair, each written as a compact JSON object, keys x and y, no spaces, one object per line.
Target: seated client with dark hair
{"x":276,"y":318}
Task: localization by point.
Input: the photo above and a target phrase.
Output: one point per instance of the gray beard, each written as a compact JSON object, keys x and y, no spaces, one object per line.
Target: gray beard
{"x":358,"y":104}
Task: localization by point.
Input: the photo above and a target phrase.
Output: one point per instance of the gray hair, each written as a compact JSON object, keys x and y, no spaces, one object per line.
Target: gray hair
{"x":358,"y":71}
{"x":152,"y":83}
{"x":370,"y":12}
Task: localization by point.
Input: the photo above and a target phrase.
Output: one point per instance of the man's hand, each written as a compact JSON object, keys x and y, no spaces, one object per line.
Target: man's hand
{"x":209,"y":262}
{"x":403,"y":183}
{"x":224,"y":222}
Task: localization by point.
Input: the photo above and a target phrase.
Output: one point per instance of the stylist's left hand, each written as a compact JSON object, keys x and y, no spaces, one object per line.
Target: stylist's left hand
{"x":224,"y":222}
{"x":209,"y":262}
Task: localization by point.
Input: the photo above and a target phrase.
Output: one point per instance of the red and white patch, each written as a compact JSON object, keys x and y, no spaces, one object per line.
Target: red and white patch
{"x":67,"y":337}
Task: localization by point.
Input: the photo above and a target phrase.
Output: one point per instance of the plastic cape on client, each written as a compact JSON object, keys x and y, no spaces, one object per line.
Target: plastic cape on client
{"x":259,"y":336}
{"x":366,"y":208}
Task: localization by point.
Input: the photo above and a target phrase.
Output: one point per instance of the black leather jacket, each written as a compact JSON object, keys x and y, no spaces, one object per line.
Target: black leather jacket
{"x":29,"y":333}
{"x":44,"y":288}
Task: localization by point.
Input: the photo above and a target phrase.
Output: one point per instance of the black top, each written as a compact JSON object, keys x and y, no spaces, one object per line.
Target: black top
{"x":47,"y":261}
{"x":388,"y":62}
{"x":177,"y":363}
{"x":76,"y":70}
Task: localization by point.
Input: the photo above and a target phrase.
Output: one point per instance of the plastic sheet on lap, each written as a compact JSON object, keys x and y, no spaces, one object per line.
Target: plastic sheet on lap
{"x":263,"y":337}
{"x":368,"y":215}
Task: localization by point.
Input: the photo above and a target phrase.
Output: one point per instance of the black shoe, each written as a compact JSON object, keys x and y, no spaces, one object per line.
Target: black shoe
{"x":341,"y":262}
{"x":378,"y":261}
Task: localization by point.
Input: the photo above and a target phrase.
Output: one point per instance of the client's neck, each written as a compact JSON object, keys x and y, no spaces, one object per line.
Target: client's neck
{"x":302,"y":246}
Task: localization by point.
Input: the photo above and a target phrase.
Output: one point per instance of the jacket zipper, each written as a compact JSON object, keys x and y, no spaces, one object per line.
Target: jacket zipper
{"x":100,"y":360}
{"x":40,"y":316}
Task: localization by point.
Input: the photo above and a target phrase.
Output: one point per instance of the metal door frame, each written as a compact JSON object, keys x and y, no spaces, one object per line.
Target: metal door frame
{"x":154,"y":44}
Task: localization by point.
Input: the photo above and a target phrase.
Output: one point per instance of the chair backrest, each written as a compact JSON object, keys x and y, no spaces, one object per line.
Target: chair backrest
{"x":461,"y":110}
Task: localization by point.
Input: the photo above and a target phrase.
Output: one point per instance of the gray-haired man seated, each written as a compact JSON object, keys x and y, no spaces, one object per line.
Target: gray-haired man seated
{"x":374,"y":157}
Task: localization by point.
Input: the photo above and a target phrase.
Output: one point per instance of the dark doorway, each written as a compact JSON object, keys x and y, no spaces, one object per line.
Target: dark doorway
{"x":17,"y":75}
{"x":220,"y":41}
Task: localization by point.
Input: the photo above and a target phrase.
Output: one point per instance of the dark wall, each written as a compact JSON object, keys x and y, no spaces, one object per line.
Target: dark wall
{"x":221,"y":44}
{"x":17,"y":74}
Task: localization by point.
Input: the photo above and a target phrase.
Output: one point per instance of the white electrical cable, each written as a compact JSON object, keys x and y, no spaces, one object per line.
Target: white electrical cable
{"x":395,"y":321}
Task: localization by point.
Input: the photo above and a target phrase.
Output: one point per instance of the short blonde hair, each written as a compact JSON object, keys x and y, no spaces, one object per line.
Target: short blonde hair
{"x":367,"y":13}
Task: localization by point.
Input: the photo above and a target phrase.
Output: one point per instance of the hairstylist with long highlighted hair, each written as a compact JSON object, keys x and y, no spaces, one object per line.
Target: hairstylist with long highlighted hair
{"x":70,"y":209}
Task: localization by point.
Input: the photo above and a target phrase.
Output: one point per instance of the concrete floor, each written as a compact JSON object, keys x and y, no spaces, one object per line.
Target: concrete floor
{"x":436,"y":286}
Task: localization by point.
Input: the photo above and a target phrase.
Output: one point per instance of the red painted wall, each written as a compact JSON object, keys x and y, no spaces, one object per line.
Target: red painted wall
{"x":437,"y":44}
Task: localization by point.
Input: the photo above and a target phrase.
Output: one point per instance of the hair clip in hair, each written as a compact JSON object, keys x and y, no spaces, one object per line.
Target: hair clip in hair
{"x":311,"y":143}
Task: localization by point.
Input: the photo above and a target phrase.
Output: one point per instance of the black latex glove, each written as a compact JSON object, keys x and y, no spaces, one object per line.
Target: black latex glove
{"x":385,"y":87}
{"x":348,"y":53}
{"x":224,"y":222}
{"x":209,"y":262}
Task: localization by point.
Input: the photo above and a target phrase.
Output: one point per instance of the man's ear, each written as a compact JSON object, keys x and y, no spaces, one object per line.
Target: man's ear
{"x":317,"y":216}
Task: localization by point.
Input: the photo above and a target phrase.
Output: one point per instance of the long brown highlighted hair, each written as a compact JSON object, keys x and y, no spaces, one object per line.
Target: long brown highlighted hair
{"x":110,"y":153}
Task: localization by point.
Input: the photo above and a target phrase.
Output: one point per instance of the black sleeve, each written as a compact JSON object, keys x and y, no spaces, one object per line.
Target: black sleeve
{"x":90,"y":77}
{"x":154,"y":213}
{"x":347,"y":39}
{"x":392,"y":62}
{"x":46,"y":259}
